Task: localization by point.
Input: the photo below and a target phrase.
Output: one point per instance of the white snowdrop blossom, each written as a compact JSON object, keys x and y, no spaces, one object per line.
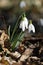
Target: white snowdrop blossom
{"x":41,"y":22}
{"x":22,"y":4}
{"x":24,"y":24}
{"x":31,"y":28}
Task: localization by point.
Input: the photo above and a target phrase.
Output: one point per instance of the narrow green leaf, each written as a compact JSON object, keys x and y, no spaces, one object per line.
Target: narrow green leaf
{"x":18,"y":40}
{"x":15,"y":27}
{"x":9,"y":30}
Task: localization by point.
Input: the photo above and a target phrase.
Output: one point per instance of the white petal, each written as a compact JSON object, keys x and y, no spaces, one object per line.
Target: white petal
{"x":31,"y":28}
{"x":23,"y":26}
{"x":26,"y":25}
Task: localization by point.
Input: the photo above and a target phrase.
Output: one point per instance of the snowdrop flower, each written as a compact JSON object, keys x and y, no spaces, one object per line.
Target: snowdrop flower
{"x":22,"y":4}
{"x":24,"y":24}
{"x":31,"y":27}
{"x":41,"y":22}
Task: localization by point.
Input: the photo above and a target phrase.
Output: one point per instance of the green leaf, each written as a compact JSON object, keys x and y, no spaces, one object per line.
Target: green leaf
{"x":15,"y":28}
{"x":18,"y":40}
{"x":9,"y":30}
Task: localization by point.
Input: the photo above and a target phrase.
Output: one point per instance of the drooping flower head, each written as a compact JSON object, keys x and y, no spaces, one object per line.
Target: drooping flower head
{"x":24,"y":23}
{"x":31,"y":27}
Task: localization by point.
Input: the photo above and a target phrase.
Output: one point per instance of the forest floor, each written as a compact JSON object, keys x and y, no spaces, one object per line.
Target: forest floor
{"x":29,"y":52}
